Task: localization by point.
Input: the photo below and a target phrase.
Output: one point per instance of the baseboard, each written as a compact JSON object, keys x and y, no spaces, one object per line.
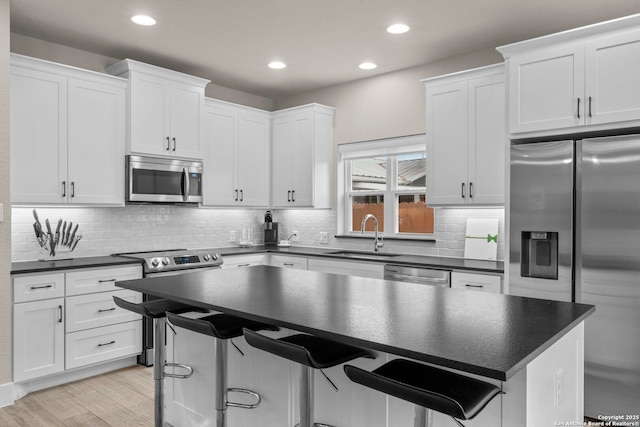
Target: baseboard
{"x":19,"y":390}
{"x":6,"y":395}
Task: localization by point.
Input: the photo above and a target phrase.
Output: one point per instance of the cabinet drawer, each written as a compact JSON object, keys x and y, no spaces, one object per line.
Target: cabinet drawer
{"x":35,"y":287}
{"x":95,"y":310}
{"x":103,"y":344}
{"x":243,"y":261}
{"x":100,"y":279}
{"x":476,"y":282}
{"x":299,"y":263}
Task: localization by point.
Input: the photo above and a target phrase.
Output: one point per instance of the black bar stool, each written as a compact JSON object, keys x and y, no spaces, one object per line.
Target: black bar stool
{"x":156,"y":309}
{"x":429,"y":388}
{"x":223,"y":327}
{"x":310,"y":352}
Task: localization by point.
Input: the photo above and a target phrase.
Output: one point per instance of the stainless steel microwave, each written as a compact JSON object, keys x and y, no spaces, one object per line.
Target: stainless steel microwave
{"x":158,"y":180}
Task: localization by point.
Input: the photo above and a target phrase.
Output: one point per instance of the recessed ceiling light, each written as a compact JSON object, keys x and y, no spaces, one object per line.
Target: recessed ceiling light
{"x":277,"y":65}
{"x":367,"y":66}
{"x":398,"y":29}
{"x":144,"y":20}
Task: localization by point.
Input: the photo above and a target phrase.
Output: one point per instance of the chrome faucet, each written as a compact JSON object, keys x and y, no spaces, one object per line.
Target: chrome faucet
{"x":376,"y":243}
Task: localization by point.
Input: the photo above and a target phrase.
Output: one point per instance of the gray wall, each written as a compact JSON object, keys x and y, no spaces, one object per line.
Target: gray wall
{"x":5,"y":226}
{"x":388,"y":105}
{"x":91,"y":61}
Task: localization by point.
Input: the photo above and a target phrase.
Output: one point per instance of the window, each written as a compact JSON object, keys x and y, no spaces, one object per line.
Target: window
{"x":386,"y":178}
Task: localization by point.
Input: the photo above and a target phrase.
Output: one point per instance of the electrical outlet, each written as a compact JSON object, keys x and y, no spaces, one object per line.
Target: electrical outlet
{"x":324,"y":237}
{"x":559,"y":382}
{"x":232,"y":235}
{"x":294,"y":236}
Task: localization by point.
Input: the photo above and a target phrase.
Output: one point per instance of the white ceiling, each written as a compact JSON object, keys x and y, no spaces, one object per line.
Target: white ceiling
{"x":230,"y":42}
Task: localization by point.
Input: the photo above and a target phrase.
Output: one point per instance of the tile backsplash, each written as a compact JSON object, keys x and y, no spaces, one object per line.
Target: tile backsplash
{"x":153,"y":227}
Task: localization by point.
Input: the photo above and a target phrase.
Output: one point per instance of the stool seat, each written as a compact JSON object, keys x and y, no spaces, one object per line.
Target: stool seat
{"x":223,"y":326}
{"x":447,"y":392}
{"x":154,"y":309}
{"x":308,"y":350}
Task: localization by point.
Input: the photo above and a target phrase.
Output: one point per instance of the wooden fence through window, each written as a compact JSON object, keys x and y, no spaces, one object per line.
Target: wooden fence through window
{"x":414,"y":217}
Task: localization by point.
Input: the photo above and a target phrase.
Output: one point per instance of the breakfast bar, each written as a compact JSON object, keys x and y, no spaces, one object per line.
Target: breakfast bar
{"x":531,"y":348}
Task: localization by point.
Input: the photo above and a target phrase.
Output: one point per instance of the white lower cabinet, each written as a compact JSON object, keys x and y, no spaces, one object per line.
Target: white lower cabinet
{"x":38,"y":339}
{"x":53,"y":333}
{"x":239,"y":261}
{"x":477,"y":282}
{"x":350,"y":268}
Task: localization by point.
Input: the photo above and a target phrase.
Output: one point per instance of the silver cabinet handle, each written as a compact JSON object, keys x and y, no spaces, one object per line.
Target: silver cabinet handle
{"x":168,"y":144}
{"x":243,"y":265}
{"x":236,"y":195}
{"x":471,"y":190}
{"x":73,"y":189}
{"x":293,"y":195}
{"x":590,"y":108}
{"x":288,"y":264}
{"x":174,"y":144}
{"x":104,"y":310}
{"x":41,"y":287}
{"x":59,"y":314}
{"x":242,"y":195}
{"x":289,"y":196}
{"x":64,"y":188}
{"x":106,"y":343}
{"x":106,"y":280}
{"x":474,"y":286}
{"x":463,"y":190}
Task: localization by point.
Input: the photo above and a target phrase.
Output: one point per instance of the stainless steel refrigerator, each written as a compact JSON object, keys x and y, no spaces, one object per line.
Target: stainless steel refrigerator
{"x":575,"y":236}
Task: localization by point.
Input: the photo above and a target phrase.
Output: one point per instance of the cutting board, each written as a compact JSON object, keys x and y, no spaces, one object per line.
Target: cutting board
{"x":481,"y":238}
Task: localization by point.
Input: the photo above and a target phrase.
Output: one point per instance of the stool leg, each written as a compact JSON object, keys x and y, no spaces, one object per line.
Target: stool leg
{"x":424,"y":417}
{"x":306,"y":396}
{"x":221,"y":382}
{"x":158,"y":362}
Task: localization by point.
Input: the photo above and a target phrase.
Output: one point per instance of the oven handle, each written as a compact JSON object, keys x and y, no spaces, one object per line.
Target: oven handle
{"x":185,"y":185}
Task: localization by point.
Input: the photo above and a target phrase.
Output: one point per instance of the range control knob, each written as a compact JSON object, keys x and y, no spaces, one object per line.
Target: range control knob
{"x":165,"y":261}
{"x":215,"y":257}
{"x":207,"y":257}
{"x":155,"y":262}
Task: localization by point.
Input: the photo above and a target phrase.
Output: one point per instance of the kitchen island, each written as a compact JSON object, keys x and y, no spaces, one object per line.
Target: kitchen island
{"x":532,"y":348}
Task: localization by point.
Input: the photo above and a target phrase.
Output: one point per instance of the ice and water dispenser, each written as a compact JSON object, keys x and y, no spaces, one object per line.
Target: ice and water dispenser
{"x":539,"y":255}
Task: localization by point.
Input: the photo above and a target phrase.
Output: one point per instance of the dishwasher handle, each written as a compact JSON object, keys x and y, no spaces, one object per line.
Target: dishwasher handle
{"x":412,"y":275}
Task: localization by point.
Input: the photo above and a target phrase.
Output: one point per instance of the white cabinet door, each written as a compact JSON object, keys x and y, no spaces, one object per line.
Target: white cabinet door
{"x":546,"y":89}
{"x":286,"y":261}
{"x":283,"y":159}
{"x":38,"y":136}
{"x":186,"y":106}
{"x":239,"y":261}
{"x":476,"y":282}
{"x":253,"y":158}
{"x":487,"y":140}
{"x":612,"y":83}
{"x":220,"y":135}
{"x":96,"y":114}
{"x":149,"y":115}
{"x":447,"y":144}
{"x":38,"y":339}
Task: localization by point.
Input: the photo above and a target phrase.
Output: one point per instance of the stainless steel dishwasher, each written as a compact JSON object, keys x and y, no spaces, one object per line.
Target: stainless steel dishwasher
{"x":421,"y":275}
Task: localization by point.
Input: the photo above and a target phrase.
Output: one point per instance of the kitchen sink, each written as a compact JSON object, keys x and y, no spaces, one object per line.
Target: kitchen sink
{"x":361,"y":254}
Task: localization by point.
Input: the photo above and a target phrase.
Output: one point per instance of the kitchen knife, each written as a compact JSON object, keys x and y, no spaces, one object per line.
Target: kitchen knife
{"x":64,"y":233}
{"x":58,"y":231}
{"x":66,"y":238}
{"x":73,"y":235}
{"x":76,"y":242}
{"x":48,"y":224}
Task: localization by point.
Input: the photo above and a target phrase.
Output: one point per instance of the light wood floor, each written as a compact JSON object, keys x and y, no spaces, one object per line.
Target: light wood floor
{"x":120,"y":398}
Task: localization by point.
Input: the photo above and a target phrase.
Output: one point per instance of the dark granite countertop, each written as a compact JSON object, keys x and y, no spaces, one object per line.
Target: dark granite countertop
{"x":69,"y":264}
{"x":449,"y":263}
{"x":488,"y":334}
{"x":413,"y":260}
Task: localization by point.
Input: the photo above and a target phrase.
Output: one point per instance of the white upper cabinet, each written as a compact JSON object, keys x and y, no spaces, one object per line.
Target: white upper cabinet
{"x":466,"y":138}
{"x":302,"y":139}
{"x":575,"y":81}
{"x":237,"y":151}
{"x":67,"y":134}
{"x":165,"y":110}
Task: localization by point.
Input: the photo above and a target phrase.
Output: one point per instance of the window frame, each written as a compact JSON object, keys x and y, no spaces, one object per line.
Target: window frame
{"x":391,"y":148}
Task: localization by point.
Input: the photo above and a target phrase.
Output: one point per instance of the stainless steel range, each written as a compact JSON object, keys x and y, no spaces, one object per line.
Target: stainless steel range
{"x":168,"y":263}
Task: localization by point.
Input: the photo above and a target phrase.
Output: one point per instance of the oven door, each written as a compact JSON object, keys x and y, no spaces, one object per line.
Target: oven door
{"x":146,"y":357}
{"x":158,"y":180}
